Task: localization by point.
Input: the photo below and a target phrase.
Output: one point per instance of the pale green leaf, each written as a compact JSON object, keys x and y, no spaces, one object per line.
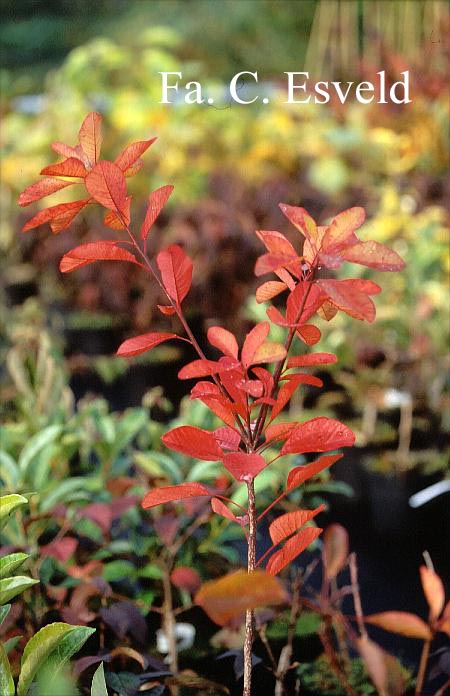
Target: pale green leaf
{"x":10,"y":587}
{"x":9,"y":503}
{"x":98,"y":687}
{"x":10,"y":563}
{"x":6,"y":680}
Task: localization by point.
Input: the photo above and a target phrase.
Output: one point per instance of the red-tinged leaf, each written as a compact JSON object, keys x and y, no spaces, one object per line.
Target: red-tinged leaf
{"x":289,"y":523}
{"x":229,"y":597}
{"x":286,"y":278}
{"x":433,"y":590}
{"x":327,"y":311}
{"x":40,"y":189}
{"x":209,"y":389}
{"x":90,"y":137}
{"x":340,"y":233}
{"x":303,"y":378}
{"x":335,"y":550}
{"x":350,"y":300}
{"x":254,"y":339}
{"x":288,"y":389}
{"x":143,"y":343}
{"x":68,"y":151}
{"x":134,"y":169}
{"x":227,"y":438}
{"x":279,"y":431}
{"x":100,"y":513}
{"x":276,"y":243}
{"x":212,"y":397}
{"x":221,"y":509}
{"x":383,"y":669}
{"x":253,"y":387}
{"x":319,"y":435}
{"x":311,"y":359}
{"x":204,"y":368}
{"x":186,"y":578}
{"x":266,"y":378}
{"x":300,"y":219}
{"x":131,"y":154}
{"x":106,"y":183}
{"x":373,"y":255}
{"x":276,"y":317}
{"x":244,"y":466}
{"x":156,"y":202}
{"x":270,"y":263}
{"x":220,"y":409}
{"x":94,"y":251}
{"x":268,"y":353}
{"x":193,"y":442}
{"x":116,"y":222}
{"x":269,"y":290}
{"x":166,"y":309}
{"x":61,"y":549}
{"x":223,"y":340}
{"x":71,"y":167}
{"x":303,"y":302}
{"x":362,"y":285}
{"x":171,"y":494}
{"x":59,"y":216}
{"x":401,"y":622}
{"x":291,"y":549}
{"x":300,"y":474}
{"x":309,"y":334}
{"x":176,"y":272}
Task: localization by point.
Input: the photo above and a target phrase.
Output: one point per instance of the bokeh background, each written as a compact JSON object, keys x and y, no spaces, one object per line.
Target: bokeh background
{"x":231,"y":165}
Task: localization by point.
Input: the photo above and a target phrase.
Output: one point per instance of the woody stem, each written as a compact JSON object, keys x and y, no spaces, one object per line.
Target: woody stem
{"x":251,"y":563}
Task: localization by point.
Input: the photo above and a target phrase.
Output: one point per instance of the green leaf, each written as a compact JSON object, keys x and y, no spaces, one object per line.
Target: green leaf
{"x":4,"y":611}
{"x":58,"y":640}
{"x":9,"y":471}
{"x":98,"y":687}
{"x":117,"y":570}
{"x":123,"y":682}
{"x":62,"y":492}
{"x":10,"y":587}
{"x":35,"y":444}
{"x":11,"y":644}
{"x":151,"y":570}
{"x":10,"y":563}
{"x":9,"y":503}
{"x":6,"y":680}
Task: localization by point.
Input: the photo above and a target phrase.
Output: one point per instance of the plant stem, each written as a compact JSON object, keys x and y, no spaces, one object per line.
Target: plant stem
{"x":169,"y":624}
{"x":249,"y":615}
{"x":422,"y":667}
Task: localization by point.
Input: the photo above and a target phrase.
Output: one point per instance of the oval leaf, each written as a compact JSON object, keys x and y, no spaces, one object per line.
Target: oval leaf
{"x":311,"y":359}
{"x":156,"y":202}
{"x":9,"y":503}
{"x":289,"y":523}
{"x":42,"y":188}
{"x":319,"y":435}
{"x":143,"y":343}
{"x":254,"y":340}
{"x":433,"y":590}
{"x":6,"y":681}
{"x":94,"y":251}
{"x":90,"y":136}
{"x":335,"y":550}
{"x":10,"y":587}
{"x":401,"y":622}
{"x":194,"y":442}
{"x":303,"y":473}
{"x":59,"y":216}
{"x":176,"y":272}
{"x":106,"y":184}
{"x":71,"y":167}
{"x":171,"y":494}
{"x":244,"y":466}
{"x":223,"y":340}
{"x":186,"y":578}
{"x":292,"y":548}
{"x":131,"y":154}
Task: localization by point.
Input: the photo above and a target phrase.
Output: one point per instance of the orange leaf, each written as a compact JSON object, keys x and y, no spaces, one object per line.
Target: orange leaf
{"x":300,"y":219}
{"x":71,"y":167}
{"x":115,"y":222}
{"x":94,"y":251}
{"x":341,"y":230}
{"x":141,"y":344}
{"x":131,"y":154}
{"x":312,"y":359}
{"x":300,"y":474}
{"x":90,"y":137}
{"x":401,"y":622}
{"x":292,"y":548}
{"x":221,"y":509}
{"x":303,"y":302}
{"x":204,"y":368}
{"x":269,"y":352}
{"x":223,"y":340}
{"x":349,"y":299}
{"x":254,"y":339}
{"x":335,"y":550}
{"x":40,"y":189}
{"x":268,"y":290}
{"x":176,"y":272}
{"x":156,"y":202}
{"x":171,"y":494}
{"x":373,"y":255}
{"x":270,"y":263}
{"x":276,"y":243}
{"x":433,"y":590}
{"x":106,"y":183}
{"x":384,"y":669}
{"x":289,"y":523}
{"x":244,"y":466}
{"x":309,"y":333}
{"x":168,"y":310}
{"x":193,"y":442}
{"x":229,"y":597}
{"x":319,"y":435}
{"x":59,"y":216}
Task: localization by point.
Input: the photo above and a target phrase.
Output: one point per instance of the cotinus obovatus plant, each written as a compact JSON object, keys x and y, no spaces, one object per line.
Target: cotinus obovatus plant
{"x":248,"y":387}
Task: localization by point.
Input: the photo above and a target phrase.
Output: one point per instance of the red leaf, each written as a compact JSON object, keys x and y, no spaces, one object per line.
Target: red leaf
{"x":156,"y":202}
{"x":71,"y":167}
{"x":276,"y":317}
{"x":362,"y":285}
{"x":270,"y":263}
{"x":269,"y":352}
{"x":287,"y":390}
{"x":303,"y":302}
{"x":309,"y":334}
{"x":300,"y":474}
{"x":254,"y":339}
{"x":266,"y":378}
{"x":433,"y":590}
{"x":292,"y":548}
{"x":143,"y":343}
{"x":223,"y":340}
{"x":131,"y":154}
{"x":374,"y":255}
{"x":106,"y":183}
{"x":276,"y":243}
{"x":90,"y":137}
{"x":40,"y":189}
{"x":341,"y":230}
{"x":171,"y":494}
{"x":335,"y":550}
{"x":289,"y":523}
{"x":194,"y":442}
{"x":301,"y":219}
{"x":348,"y":298}
{"x":244,"y":466}
{"x":166,"y":309}
{"x":115,"y":222}
{"x":67,"y":151}
{"x":186,"y":579}
{"x":94,"y":251}
{"x":401,"y":622}
{"x":204,"y":368}
{"x":384,"y":669}
{"x":279,"y":431}
{"x":61,"y":549}
{"x":59,"y":216}
{"x":176,"y":272}
{"x":268,"y":290}
{"x":311,"y":359}
{"x":227,"y":438}
{"x":319,"y":435}
{"x":221,"y":509}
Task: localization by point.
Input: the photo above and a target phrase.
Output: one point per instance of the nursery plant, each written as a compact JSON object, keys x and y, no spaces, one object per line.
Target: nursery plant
{"x":247,"y":388}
